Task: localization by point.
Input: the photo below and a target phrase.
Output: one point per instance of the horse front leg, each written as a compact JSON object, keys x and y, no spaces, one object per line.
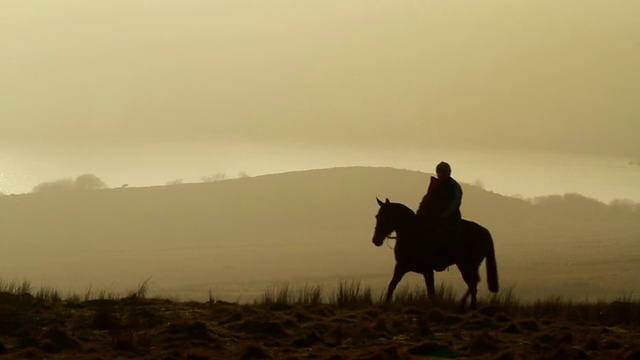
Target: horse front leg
{"x":463,"y":302}
{"x":398,"y":273}
{"x":430,"y":282}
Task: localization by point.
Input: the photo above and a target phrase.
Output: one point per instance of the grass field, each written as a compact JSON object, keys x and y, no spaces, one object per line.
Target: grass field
{"x":309,"y":322}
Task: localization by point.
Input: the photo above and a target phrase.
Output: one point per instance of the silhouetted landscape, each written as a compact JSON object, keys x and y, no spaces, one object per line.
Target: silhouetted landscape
{"x":198,"y":179}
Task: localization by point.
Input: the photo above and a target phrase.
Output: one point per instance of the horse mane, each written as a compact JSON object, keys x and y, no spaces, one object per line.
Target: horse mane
{"x":404,"y":208}
{"x":405,"y":215}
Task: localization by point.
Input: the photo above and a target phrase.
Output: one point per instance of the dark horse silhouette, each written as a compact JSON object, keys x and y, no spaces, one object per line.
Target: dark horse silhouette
{"x":416,"y":249}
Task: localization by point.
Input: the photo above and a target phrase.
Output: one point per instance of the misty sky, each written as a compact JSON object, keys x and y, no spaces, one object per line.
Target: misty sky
{"x":560,"y":75}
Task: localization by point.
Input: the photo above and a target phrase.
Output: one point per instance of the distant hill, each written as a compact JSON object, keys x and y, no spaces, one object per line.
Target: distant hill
{"x":270,"y":208}
{"x":150,"y":230}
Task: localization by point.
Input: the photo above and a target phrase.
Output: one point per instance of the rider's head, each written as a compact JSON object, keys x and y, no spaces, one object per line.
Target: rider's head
{"x":443,"y":170}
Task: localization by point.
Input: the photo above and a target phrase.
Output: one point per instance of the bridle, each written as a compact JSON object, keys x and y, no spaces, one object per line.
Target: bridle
{"x":389,"y":237}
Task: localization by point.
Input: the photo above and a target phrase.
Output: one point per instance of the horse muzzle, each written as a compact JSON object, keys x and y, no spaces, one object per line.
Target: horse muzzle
{"x":378,"y":240}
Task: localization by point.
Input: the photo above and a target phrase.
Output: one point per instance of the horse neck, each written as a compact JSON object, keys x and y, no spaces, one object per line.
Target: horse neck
{"x":406,"y":223}
{"x":413,"y":229}
{"x":411,"y":236}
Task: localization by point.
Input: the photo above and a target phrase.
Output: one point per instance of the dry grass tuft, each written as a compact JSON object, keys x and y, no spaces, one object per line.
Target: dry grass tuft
{"x":350,"y":294}
{"x":284,"y":297}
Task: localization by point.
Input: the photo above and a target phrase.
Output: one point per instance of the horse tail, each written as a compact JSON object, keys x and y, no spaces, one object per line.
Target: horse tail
{"x":491,"y":266}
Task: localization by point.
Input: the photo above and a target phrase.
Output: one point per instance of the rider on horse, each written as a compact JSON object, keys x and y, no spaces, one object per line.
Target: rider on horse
{"x":441,"y":207}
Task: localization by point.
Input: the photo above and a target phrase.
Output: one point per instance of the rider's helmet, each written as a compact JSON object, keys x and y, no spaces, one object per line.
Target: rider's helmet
{"x":443,"y":169}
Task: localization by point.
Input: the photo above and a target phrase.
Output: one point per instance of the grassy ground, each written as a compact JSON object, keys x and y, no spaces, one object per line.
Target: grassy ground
{"x":308,"y":323}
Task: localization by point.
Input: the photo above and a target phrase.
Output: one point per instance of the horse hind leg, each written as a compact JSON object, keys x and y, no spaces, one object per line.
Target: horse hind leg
{"x":463,"y":302}
{"x":471,"y":278}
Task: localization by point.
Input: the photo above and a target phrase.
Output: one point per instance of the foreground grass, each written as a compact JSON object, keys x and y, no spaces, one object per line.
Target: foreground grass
{"x":293,"y":322}
{"x":352,"y":294}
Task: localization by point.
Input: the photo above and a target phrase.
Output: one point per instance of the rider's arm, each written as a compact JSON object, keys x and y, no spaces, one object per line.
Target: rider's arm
{"x":454,"y":204}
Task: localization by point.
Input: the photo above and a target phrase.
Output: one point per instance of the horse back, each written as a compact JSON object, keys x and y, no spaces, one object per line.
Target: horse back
{"x":476,"y":237}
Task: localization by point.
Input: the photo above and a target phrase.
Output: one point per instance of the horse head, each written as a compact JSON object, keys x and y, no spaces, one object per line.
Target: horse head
{"x":383,"y":227}
{"x":390,"y":217}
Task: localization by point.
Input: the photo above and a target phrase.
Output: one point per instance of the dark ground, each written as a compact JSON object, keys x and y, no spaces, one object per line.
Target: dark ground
{"x":162,"y":329}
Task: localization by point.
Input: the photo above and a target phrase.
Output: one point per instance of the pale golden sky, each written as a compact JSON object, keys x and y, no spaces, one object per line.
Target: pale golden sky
{"x":559,"y":75}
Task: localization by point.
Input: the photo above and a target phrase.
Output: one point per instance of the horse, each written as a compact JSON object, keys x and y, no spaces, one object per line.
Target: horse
{"x":416,"y":248}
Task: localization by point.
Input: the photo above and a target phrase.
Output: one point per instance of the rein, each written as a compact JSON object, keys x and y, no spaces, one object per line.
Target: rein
{"x":391,"y":238}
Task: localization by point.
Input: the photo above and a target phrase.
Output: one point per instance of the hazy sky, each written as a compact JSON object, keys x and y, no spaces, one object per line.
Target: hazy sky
{"x":542,"y":74}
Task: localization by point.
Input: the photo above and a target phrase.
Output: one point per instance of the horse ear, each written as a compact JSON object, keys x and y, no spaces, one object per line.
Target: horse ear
{"x":387,"y":201}
{"x":379,"y":202}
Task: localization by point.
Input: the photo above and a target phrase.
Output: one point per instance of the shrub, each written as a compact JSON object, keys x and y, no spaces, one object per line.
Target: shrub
{"x":82,"y":182}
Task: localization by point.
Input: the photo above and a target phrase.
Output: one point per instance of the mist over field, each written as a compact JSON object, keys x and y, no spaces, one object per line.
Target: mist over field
{"x":237,"y":237}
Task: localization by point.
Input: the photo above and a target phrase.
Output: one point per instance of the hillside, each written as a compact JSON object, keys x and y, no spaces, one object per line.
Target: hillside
{"x":236,"y":236}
